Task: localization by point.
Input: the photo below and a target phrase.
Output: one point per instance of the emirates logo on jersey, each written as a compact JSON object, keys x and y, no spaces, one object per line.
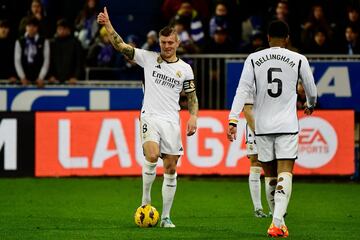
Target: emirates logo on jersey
{"x":163,"y":80}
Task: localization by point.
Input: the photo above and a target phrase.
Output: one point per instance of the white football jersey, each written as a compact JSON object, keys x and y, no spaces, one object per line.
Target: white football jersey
{"x":250,"y":99}
{"x":163,"y":84}
{"x":275,"y":73}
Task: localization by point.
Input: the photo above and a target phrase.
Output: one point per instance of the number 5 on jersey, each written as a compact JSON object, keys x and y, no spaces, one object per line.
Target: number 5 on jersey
{"x":271,"y":82}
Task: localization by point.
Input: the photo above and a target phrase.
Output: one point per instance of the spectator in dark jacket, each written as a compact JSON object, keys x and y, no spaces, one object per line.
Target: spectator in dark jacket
{"x":102,"y":54}
{"x":32,"y":55}
{"x":37,"y":11}
{"x":86,"y":24}
{"x":170,"y":7}
{"x":187,"y":45}
{"x":353,"y":16}
{"x":220,"y":19}
{"x":7,"y":70}
{"x":193,"y":24}
{"x":220,"y":42}
{"x":317,"y":20}
{"x":351,"y":44}
{"x":320,"y":43}
{"x":66,"y":55}
{"x":257,"y":41}
{"x":152,"y":42}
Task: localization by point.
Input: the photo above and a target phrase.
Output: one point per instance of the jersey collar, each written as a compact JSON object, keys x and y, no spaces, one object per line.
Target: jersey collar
{"x":177,"y":59}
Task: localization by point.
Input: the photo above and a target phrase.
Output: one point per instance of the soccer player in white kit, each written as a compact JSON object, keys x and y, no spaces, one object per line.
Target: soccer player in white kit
{"x":275,"y":71}
{"x":252,"y":154}
{"x":165,"y":77}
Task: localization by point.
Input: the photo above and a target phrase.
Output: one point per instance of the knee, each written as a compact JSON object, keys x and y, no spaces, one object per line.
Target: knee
{"x":152,"y":157}
{"x":170,"y":168}
{"x":254,"y":162}
{"x":170,"y":171}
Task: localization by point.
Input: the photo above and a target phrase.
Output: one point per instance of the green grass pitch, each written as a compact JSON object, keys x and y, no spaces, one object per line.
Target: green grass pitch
{"x":204,"y":208}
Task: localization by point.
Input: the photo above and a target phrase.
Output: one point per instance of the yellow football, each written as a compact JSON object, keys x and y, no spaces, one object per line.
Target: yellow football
{"x":146,"y":216}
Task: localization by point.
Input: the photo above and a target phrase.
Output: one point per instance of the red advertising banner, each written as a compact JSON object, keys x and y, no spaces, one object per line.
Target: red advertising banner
{"x":108,"y":143}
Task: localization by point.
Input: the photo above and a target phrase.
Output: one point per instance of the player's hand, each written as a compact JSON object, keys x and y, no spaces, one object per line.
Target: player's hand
{"x":231,"y":133}
{"x":12,"y":80}
{"x":24,"y":82}
{"x":53,"y":80}
{"x":103,"y":17}
{"x":40,"y":83}
{"x":308,"y":110}
{"x":72,"y":81}
{"x":191,"y":125}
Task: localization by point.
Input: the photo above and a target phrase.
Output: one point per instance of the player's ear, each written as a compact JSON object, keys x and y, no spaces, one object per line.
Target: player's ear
{"x":287,"y":39}
{"x":177,"y":40}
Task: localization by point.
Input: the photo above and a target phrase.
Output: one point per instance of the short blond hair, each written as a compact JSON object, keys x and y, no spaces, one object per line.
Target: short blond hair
{"x":168,"y":31}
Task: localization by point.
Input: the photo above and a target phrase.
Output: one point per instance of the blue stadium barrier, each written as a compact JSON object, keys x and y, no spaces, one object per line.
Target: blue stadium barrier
{"x":70,"y":98}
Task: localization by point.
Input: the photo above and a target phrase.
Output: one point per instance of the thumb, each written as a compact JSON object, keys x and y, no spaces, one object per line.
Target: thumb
{"x":106,"y":12}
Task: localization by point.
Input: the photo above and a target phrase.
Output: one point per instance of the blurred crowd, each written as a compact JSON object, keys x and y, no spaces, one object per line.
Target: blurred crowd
{"x":226,"y":30}
{"x":56,"y":48}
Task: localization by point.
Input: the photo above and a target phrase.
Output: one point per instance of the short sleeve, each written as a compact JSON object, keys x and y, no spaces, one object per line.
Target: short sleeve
{"x":140,"y":56}
{"x":189,"y":74}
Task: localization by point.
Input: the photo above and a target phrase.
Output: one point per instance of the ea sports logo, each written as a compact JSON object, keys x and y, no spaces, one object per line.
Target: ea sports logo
{"x":317,"y":142}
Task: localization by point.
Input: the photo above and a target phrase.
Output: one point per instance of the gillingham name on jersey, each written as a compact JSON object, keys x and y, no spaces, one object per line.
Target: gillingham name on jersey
{"x":164,"y":80}
{"x":276,"y":57}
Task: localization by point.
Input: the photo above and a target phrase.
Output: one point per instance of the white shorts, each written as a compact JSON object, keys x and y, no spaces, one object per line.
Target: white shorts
{"x":165,"y":133}
{"x":277,"y":147}
{"x":250,"y":141}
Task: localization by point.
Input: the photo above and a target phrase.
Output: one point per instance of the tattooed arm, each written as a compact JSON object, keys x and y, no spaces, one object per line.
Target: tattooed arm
{"x":115,"y":39}
{"x":193,"y":107}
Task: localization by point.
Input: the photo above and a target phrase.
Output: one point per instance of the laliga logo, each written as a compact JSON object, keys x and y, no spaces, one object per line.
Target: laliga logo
{"x":317,"y":142}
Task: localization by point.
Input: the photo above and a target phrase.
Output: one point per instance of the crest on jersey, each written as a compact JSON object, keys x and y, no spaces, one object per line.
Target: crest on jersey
{"x":159,"y":59}
{"x":178,"y":74}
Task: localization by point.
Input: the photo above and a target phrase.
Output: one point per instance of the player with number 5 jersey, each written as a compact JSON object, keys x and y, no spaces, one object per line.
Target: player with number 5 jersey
{"x":275,"y":73}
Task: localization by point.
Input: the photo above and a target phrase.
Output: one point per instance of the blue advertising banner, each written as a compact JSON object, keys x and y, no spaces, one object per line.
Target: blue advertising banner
{"x":338,"y":83}
{"x":70,"y":99}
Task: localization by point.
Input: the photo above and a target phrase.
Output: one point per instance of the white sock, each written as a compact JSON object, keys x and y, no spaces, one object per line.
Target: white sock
{"x":255,"y":186}
{"x":282,"y":195}
{"x":148,"y":177}
{"x":270,"y":185}
{"x":168,"y":193}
